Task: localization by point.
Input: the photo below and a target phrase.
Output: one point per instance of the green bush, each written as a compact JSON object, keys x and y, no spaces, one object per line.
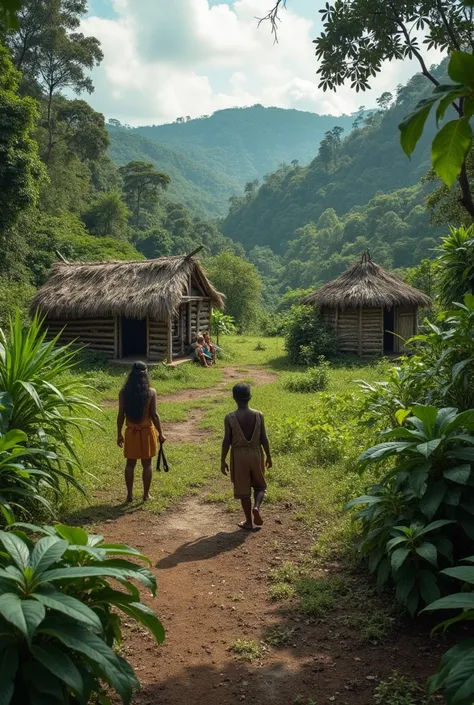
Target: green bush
{"x":60,"y":615}
{"x":13,"y":295}
{"x":421,"y":507}
{"x":307,"y":337}
{"x":273,"y":325}
{"x":22,"y":483}
{"x":315,"y":379}
{"x":47,"y":405}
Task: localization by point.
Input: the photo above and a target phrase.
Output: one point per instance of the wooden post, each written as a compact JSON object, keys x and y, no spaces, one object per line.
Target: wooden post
{"x":383,"y":331}
{"x":169,"y":353}
{"x":336,"y":320}
{"x":198,"y":317}
{"x":190,"y":288}
{"x":116,"y":337}
{"x":189,"y":321}
{"x":360,"y":331}
{"x":120,"y":338}
{"x":147,"y":337}
{"x":182,"y":315}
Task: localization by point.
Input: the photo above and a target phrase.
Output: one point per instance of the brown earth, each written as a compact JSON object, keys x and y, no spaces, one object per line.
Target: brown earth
{"x":213,"y":589}
{"x":213,"y":584}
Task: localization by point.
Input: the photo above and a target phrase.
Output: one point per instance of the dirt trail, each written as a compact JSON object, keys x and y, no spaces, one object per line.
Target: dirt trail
{"x":213,"y":589}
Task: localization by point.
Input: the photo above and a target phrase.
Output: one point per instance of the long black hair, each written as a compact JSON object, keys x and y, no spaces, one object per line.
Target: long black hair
{"x":136,"y":392}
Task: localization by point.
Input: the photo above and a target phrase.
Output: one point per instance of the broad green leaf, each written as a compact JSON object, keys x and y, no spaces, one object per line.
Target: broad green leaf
{"x":461,"y":572}
{"x":413,"y":601}
{"x":411,"y":129}
{"x":449,"y":149}
{"x":399,"y":557}
{"x":405,"y":586}
{"x":401,"y":415}
{"x":428,"y":448}
{"x":11,"y":610}
{"x":435,"y":525}
{"x":458,"y":601}
{"x":428,"y":552}
{"x":47,"y":551}
{"x":428,"y":416}
{"x":60,"y":665}
{"x":463,"y":420}
{"x":453,"y":496}
{"x":432,"y":498}
{"x":12,"y":439}
{"x":365,"y":499}
{"x":145,"y":616}
{"x":34,"y":614}
{"x":461,"y":68}
{"x":417,"y":481}
{"x":384,"y":450}
{"x":429,"y":589}
{"x":72,"y":534}
{"x":395,"y":542}
{"x":459,"y":474}
{"x":69,"y":605}
{"x":383,"y":573}
{"x":461,"y":454}
{"x":17,"y":549}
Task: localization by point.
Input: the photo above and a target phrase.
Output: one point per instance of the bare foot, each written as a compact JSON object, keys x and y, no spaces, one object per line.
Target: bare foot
{"x":147,"y":497}
{"x":129,"y":499}
{"x":246,"y":525}
{"x":257,"y":517}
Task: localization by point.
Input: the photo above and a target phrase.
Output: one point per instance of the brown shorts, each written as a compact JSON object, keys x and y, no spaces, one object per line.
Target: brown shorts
{"x":247,"y":474}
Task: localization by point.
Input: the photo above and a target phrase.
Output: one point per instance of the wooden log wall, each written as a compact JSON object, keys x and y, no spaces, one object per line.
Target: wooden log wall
{"x":158,"y":340}
{"x":372,"y":332}
{"x":97,"y":333}
{"x":359,"y":332}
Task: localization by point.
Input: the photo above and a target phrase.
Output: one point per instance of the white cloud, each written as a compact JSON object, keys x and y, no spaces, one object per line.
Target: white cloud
{"x":185,"y":57}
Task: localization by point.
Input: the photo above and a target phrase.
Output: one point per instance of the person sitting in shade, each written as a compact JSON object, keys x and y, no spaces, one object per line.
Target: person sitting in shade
{"x":197,"y":352}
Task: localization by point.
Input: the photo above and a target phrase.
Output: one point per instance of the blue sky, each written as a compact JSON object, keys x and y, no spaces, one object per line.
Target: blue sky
{"x":167,"y":58}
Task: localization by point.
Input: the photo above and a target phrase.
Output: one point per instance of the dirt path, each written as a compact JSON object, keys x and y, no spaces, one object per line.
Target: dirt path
{"x":213,"y":589}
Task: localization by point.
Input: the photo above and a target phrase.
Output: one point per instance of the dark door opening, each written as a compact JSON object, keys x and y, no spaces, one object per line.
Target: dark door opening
{"x":388,"y":326}
{"x":134,"y":337}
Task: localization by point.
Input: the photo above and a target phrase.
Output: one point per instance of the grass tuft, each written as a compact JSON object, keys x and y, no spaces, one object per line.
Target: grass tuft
{"x":245,"y":649}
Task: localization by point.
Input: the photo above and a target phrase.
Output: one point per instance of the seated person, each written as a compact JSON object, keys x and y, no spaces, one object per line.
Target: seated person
{"x":204,"y":351}
{"x":210,"y":345}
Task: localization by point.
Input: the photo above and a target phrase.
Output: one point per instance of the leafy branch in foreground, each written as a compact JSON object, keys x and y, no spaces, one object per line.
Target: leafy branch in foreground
{"x":57,"y":627}
{"x":453,"y":141}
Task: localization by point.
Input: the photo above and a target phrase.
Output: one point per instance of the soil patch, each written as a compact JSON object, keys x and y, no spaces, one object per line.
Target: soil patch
{"x":212,"y":581}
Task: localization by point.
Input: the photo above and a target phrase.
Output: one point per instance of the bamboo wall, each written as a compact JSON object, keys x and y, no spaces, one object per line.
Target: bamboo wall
{"x":361,"y":331}
{"x":97,"y":333}
{"x":157,"y":340}
{"x":193,"y":317}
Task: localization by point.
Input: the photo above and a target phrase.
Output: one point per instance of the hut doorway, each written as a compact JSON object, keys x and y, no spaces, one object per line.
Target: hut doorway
{"x":388,"y":328}
{"x":134,"y":337}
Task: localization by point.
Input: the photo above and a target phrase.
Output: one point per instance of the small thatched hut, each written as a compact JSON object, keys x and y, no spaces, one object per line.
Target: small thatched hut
{"x":372,"y":311}
{"x":142,"y":309}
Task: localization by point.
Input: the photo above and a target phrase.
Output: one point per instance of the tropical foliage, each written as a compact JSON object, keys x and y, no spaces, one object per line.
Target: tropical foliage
{"x":60,"y":615}
{"x":307,"y":337}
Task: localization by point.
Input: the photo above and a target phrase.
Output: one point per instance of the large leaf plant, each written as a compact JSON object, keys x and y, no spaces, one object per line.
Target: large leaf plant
{"x":60,"y":600}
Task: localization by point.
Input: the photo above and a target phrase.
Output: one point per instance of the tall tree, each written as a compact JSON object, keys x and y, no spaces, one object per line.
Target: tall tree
{"x":49,"y":50}
{"x":239,"y":281}
{"x":142,"y":183}
{"x":20,"y":167}
{"x":108,"y":216}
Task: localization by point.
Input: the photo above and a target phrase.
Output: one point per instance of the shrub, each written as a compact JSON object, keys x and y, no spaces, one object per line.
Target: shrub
{"x":57,"y":627}
{"x":456,"y":266}
{"x":313,"y":380}
{"x":428,"y":488}
{"x":273,"y":325}
{"x":398,"y":690}
{"x":13,"y":295}
{"x":22,"y":483}
{"x":307,"y":337}
{"x":47,"y":405}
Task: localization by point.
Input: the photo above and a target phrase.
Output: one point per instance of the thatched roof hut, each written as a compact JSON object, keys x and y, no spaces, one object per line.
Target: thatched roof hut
{"x":143,"y":308}
{"x":372,"y":310}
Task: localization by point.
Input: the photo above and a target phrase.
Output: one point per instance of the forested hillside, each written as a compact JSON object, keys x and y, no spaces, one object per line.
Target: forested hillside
{"x":194,"y":179}
{"x":211,"y":158}
{"x":359,"y":192}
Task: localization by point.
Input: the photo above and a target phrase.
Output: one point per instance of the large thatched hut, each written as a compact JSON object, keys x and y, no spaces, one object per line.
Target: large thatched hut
{"x":372,"y":311}
{"x":141,"y":309}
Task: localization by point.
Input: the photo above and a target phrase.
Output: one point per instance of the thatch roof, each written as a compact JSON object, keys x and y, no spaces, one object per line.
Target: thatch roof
{"x":366,"y":284}
{"x":134,"y":289}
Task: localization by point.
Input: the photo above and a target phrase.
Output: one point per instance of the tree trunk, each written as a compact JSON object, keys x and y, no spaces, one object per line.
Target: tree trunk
{"x":50,"y":124}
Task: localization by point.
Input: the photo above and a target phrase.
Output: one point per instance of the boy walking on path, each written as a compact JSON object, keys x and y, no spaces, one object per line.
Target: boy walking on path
{"x":246,"y":436}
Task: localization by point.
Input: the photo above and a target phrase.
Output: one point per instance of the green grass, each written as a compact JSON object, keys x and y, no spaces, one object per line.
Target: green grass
{"x":279,"y":636}
{"x":245,"y":649}
{"x":316,"y":486}
{"x":398,"y":690}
